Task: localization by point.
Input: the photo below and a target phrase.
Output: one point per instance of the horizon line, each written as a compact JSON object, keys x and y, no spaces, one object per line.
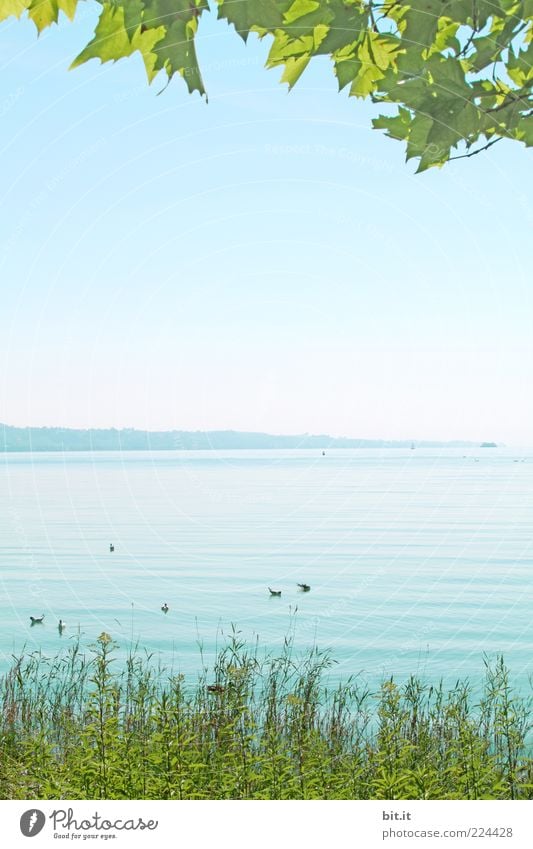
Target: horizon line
{"x":408,"y":439}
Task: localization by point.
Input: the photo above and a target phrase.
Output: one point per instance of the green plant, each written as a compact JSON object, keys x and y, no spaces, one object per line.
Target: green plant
{"x":456,"y":72}
{"x":259,"y":727}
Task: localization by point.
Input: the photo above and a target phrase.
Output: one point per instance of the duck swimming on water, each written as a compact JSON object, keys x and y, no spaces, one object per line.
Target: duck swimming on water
{"x":37,"y":620}
{"x":111,"y":547}
{"x":61,"y":626}
{"x":274,"y":592}
{"x":304,"y":587}
{"x":165,"y":608}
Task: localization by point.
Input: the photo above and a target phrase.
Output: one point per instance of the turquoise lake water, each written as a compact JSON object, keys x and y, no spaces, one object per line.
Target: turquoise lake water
{"x":419,"y":561}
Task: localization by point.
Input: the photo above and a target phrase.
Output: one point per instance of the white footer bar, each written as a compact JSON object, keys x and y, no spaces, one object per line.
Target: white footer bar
{"x":268,"y":825}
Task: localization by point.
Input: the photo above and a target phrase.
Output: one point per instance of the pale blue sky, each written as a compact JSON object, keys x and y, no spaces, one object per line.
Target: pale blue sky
{"x":263,"y":262}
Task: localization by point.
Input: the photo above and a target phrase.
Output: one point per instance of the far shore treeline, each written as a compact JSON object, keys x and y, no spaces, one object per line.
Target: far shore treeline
{"x":130,"y":439}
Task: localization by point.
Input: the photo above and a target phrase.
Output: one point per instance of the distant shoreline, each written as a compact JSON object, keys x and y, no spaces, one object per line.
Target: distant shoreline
{"x":41,"y":439}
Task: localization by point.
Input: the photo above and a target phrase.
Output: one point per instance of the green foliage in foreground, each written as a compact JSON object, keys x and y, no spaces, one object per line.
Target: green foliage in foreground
{"x":75,"y":727}
{"x":454,"y":70}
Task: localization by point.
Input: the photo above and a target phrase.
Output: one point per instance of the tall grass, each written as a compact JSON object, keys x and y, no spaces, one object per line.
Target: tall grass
{"x":80,"y":727}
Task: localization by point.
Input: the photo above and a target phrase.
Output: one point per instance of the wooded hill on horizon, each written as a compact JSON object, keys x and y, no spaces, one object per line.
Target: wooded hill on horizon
{"x":130,"y":439}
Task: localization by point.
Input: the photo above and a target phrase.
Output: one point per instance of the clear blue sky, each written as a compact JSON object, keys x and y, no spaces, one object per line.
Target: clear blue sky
{"x":263,"y":262}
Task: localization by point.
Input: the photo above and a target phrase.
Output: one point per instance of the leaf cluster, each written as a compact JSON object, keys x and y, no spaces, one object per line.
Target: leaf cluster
{"x":453,"y":73}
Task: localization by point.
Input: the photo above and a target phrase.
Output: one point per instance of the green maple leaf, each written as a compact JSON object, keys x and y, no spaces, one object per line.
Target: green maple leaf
{"x":422,"y":22}
{"x":252,"y":14}
{"x":12,"y":7}
{"x":111,"y":40}
{"x":524,"y":130}
{"x":294,"y":68}
{"x":176,"y":53}
{"x":396,"y":126}
{"x":43,"y":13}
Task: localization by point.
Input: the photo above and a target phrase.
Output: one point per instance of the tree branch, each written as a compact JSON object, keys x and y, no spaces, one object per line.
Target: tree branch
{"x":479,"y":150}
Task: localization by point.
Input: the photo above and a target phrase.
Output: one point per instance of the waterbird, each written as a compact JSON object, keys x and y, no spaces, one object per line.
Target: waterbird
{"x":111,"y":547}
{"x":217,"y":689}
{"x":61,"y":626}
{"x":274,"y":592}
{"x":304,"y":587}
{"x":37,"y":620}
{"x":165,"y":608}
